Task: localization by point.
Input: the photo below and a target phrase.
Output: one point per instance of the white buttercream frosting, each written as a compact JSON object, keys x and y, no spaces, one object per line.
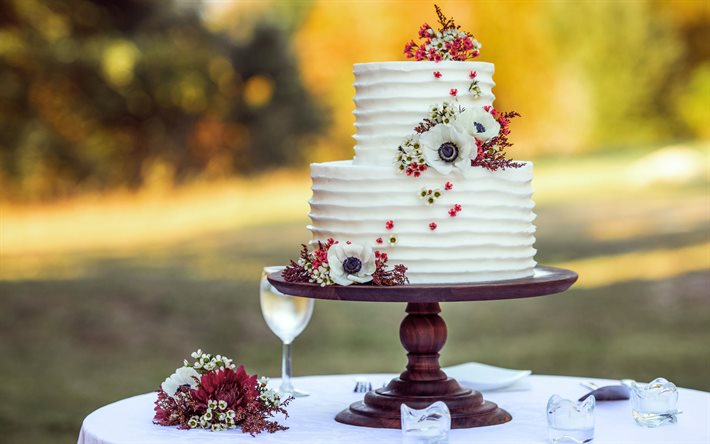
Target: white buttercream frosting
{"x":391,"y":98}
{"x":491,"y":238}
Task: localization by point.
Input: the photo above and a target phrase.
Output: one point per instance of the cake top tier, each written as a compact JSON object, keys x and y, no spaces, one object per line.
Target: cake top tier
{"x":445,"y":99}
{"x":392,"y":98}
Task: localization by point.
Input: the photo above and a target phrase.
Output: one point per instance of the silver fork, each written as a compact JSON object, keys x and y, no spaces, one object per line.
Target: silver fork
{"x":362,"y":385}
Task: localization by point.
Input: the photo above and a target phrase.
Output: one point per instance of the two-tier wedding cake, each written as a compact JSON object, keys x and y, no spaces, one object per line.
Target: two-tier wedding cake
{"x":430,"y":184}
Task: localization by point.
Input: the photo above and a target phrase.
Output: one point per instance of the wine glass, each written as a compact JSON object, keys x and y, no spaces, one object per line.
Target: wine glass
{"x":286,"y":316}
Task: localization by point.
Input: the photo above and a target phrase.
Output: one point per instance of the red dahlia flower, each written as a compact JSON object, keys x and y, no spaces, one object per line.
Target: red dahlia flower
{"x":236,"y":388}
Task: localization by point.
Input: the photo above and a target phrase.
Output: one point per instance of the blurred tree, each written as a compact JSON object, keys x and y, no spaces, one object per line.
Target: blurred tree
{"x":101,"y":94}
{"x":629,"y":71}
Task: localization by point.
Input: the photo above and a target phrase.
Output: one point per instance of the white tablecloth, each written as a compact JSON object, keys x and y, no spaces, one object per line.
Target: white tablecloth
{"x":311,"y":418}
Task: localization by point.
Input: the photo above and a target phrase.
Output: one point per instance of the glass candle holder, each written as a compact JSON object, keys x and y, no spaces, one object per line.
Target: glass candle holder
{"x":655,"y":403}
{"x":570,"y":421}
{"x":429,"y":425}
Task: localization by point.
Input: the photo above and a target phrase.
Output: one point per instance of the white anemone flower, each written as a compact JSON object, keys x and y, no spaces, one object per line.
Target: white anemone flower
{"x":351,"y":263}
{"x":478,"y":123}
{"x":446,"y":148}
{"x":182,"y":376}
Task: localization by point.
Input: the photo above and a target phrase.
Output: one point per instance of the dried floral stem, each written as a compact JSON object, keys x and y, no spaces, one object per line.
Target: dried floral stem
{"x":443,"y":21}
{"x":424,"y":126}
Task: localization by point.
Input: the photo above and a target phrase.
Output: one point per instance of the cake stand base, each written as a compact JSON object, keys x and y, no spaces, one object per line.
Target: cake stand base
{"x":423,"y":334}
{"x":381,"y":409}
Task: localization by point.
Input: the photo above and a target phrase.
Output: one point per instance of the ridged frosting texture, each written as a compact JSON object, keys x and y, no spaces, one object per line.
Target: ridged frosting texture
{"x":491,"y":238}
{"x":391,"y":98}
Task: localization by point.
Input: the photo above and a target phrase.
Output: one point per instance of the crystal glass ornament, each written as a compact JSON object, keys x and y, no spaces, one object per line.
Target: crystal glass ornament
{"x":429,"y":425}
{"x":570,"y":421}
{"x":655,"y":403}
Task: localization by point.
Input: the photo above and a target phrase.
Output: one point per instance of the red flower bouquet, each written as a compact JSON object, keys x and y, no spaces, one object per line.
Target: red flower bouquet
{"x":211,"y":394}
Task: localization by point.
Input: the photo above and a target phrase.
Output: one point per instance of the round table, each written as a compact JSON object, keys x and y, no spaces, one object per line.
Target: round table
{"x":129,"y":421}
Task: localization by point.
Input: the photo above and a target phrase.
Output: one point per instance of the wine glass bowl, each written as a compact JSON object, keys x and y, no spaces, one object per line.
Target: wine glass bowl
{"x":287,"y":316}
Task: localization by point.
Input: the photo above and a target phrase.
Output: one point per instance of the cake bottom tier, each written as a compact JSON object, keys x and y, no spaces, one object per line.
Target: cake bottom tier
{"x":490,"y":237}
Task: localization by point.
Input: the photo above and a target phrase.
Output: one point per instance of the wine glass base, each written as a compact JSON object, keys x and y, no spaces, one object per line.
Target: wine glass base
{"x":296,"y":393}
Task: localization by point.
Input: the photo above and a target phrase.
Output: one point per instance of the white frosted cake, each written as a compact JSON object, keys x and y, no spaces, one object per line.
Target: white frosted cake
{"x":431,"y":188}
{"x":368,"y":200}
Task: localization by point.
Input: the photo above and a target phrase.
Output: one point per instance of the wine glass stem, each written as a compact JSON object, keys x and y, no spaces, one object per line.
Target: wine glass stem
{"x":286,"y":386}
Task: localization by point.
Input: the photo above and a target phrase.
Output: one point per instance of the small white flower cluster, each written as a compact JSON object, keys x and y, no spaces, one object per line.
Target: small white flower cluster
{"x":444,"y":114}
{"x":321,"y":275}
{"x":475,"y":89}
{"x":267,"y":395}
{"x":409,"y":152}
{"x":216,"y":418}
{"x":207,"y":362}
{"x":430,"y":195}
{"x":440,"y":39}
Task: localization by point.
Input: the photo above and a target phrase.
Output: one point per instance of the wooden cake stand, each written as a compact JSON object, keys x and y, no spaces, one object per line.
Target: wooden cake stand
{"x":423,"y":334}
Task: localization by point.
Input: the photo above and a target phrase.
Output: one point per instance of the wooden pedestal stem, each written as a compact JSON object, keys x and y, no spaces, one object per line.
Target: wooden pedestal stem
{"x":423,"y":335}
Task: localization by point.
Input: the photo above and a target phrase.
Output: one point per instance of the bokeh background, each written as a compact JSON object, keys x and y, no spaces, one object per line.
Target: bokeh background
{"x":153,"y":158}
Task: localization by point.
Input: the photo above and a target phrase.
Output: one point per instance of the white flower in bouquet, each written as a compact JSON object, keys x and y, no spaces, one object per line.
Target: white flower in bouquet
{"x":446,"y":148}
{"x":351,"y":263}
{"x":182,"y":376}
{"x":478,"y":123}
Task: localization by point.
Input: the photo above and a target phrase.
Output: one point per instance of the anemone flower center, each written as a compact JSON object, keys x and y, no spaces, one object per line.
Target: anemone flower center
{"x":479,"y":128}
{"x":352,"y":265}
{"x":448,"y":152}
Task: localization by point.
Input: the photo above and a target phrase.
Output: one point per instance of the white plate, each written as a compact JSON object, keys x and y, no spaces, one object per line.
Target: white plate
{"x":485,"y":377}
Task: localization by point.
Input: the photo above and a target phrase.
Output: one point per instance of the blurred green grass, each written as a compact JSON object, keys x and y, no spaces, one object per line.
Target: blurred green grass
{"x":121,"y":325}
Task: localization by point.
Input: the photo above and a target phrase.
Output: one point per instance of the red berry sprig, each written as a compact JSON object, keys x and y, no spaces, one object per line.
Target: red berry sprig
{"x":454,"y":210}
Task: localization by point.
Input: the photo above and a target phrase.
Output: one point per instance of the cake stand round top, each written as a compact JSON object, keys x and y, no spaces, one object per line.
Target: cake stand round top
{"x":544,"y":281}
